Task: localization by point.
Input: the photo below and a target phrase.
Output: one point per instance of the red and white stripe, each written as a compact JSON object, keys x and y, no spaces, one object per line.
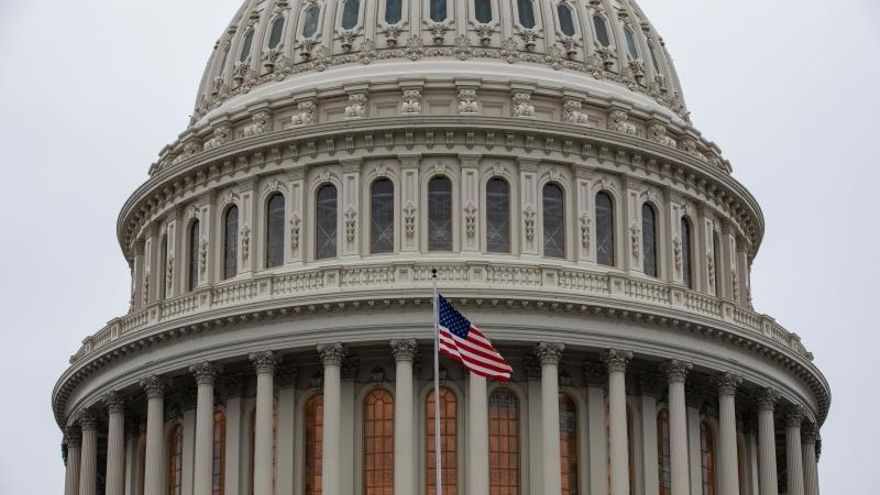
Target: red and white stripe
{"x":476,"y":353}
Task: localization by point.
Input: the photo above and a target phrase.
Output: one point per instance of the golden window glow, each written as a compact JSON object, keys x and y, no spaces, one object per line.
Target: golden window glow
{"x":503,"y":443}
{"x":448,"y":442}
{"x":707,"y":450}
{"x":379,"y":443}
{"x":314,"y":444}
{"x":568,"y":444}
{"x":175,"y":461}
{"x":663,"y":455}
{"x":219,"y":464}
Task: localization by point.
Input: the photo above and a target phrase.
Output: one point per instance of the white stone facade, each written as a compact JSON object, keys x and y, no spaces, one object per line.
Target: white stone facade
{"x":642,"y":325}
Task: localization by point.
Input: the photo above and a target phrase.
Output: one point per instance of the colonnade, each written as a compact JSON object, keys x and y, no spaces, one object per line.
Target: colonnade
{"x":800,"y":438}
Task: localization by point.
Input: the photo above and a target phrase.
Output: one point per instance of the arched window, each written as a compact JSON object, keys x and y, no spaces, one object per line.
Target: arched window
{"x":310,"y":20}
{"x":379,"y":443}
{"x":275,"y":231}
{"x":448,"y":442}
{"x":175,"y":461}
{"x":163,"y":266}
{"x":222,"y":68}
{"x":314,"y":442}
{"x":655,"y":61}
{"x":230,"y":243}
{"x":566,"y":21}
{"x":438,"y":10}
{"x":664,"y":458}
{"x":276,"y":32}
{"x":605,"y":229}
{"x":325,"y":222}
{"x":253,"y":463}
{"x":393,"y":11}
{"x":568,"y":444}
{"x":382,"y":216}
{"x":631,"y":47}
{"x":483,"y":10}
{"x":687,"y":275}
{"x":192,"y":280}
{"x":649,"y":239}
{"x":497,"y":216}
{"x":554,"y":221}
{"x":440,"y":214}
{"x":246,"y":46}
{"x":718,"y":264}
{"x":503,"y":443}
{"x":526,"y":11}
{"x":351,"y":10}
{"x":601,"y":30}
{"x":707,"y":456}
{"x":218,"y":480}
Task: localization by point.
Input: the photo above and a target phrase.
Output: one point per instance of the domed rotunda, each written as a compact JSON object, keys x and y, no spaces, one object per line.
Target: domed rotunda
{"x":538,"y":154}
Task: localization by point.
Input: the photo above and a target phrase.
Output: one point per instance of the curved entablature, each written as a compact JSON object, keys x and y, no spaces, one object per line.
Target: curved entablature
{"x":275,"y":40}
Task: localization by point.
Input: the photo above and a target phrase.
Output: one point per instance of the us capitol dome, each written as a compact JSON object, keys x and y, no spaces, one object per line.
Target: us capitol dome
{"x":539,"y":155}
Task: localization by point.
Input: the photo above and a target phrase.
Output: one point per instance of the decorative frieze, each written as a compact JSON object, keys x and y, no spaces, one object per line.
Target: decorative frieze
{"x":357,"y":106}
{"x":618,"y":121}
{"x":522,"y":105}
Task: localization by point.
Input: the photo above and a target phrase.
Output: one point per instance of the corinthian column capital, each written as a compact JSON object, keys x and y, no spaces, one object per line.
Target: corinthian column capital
{"x":154,"y":386}
{"x":794,"y":416}
{"x":73,"y":436}
{"x":264,"y":362}
{"x":676,"y":371}
{"x":727,"y":383}
{"x":404,"y":349}
{"x":88,"y":420}
{"x":332,"y":354}
{"x":550,"y":352}
{"x":205,"y":372}
{"x":617,"y":360}
{"x":114,"y":402}
{"x":767,"y":399}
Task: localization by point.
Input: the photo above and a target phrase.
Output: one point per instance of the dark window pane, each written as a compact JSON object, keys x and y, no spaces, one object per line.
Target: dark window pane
{"x":277,"y":31}
{"x":246,"y":46}
{"x":310,"y":21}
{"x":631,"y":42}
{"x":554,"y":221}
{"x":526,"y":11}
{"x":483,"y":10}
{"x":350,"y":13}
{"x":663,"y":455}
{"x":601,"y":30}
{"x":566,"y":23}
{"x":649,"y":239}
{"x":275,"y":231}
{"x":438,"y":10}
{"x":604,"y":229}
{"x":325,"y":223}
{"x":440,"y":214}
{"x":716,"y":255}
{"x":393,"y":11}
{"x":382,"y":216}
{"x":498,"y":216}
{"x":686,"y":262}
{"x":230,"y":243}
{"x":192,"y":280}
{"x":163,"y":266}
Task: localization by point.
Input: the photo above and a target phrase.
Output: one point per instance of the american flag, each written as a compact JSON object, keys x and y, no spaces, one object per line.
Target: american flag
{"x":463,"y":342}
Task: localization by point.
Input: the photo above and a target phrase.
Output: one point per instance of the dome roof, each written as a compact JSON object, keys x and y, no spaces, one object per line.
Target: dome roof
{"x":605,"y":48}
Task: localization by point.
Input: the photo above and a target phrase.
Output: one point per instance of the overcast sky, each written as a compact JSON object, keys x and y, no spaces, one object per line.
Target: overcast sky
{"x":91,"y":90}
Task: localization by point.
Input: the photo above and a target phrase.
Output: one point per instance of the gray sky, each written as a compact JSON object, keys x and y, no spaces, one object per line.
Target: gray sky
{"x":91,"y":90}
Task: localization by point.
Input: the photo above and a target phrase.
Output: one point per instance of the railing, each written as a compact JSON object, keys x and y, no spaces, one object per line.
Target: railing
{"x":336,"y":278}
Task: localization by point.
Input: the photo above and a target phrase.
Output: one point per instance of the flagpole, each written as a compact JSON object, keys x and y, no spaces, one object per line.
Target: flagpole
{"x":437,"y":452}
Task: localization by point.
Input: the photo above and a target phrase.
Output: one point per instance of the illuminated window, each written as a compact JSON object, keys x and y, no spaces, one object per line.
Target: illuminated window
{"x":314,"y":441}
{"x":382,"y":216}
{"x":175,"y":461}
{"x":230,"y":243}
{"x":275,"y":231}
{"x":379,"y":443}
{"x":707,"y":455}
{"x":448,"y":443}
{"x":568,"y":444}
{"x":192,"y":280}
{"x":218,"y":479}
{"x":663,"y":457}
{"x":604,"y":229}
{"x":649,"y":239}
{"x":325,"y":222}
{"x":554,"y":221}
{"x":440,"y":214}
{"x":497,"y":216}
{"x":503,"y":443}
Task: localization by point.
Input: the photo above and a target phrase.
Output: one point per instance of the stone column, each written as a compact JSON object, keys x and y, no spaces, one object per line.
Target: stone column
{"x":767,"y":442}
{"x":88,"y":467}
{"x":404,"y":352}
{"x":264,"y":364}
{"x":73,"y":437}
{"x":205,"y":373}
{"x":232,"y":390}
{"x":115,"y":481}
{"x":617,"y":362}
{"x":595,"y":374}
{"x":651,"y":386}
{"x":728,"y":461}
{"x":331,"y":356}
{"x":550,"y":355}
{"x":154,"y":477}
{"x":794,"y":451}
{"x":676,"y":373}
{"x":811,"y":469}
{"x":285,"y":436}
{"x":478,"y":435}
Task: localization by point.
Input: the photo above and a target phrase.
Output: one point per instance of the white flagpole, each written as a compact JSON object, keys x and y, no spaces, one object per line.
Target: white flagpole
{"x":437,"y":452}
